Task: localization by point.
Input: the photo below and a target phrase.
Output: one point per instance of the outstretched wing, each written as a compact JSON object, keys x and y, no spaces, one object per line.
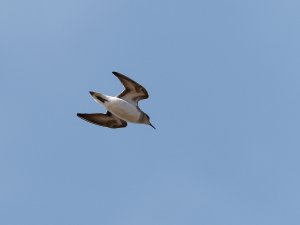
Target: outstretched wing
{"x":133,"y":91}
{"x":105,"y":120}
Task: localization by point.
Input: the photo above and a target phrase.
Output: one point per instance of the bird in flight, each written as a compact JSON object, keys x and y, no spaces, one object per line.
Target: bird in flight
{"x":122,"y":108}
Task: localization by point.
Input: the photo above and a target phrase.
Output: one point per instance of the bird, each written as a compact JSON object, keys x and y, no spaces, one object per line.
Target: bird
{"x":122,"y":108}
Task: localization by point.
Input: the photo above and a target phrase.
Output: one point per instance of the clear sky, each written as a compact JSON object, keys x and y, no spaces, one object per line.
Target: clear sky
{"x":224,"y":85}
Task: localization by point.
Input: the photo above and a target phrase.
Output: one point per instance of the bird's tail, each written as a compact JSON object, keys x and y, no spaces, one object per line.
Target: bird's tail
{"x":98,"y":97}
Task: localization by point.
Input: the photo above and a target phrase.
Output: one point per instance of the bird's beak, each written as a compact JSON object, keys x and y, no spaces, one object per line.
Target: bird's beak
{"x":152,"y":125}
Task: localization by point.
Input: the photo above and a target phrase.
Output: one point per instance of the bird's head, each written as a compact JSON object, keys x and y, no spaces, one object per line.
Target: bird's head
{"x":146,"y":120}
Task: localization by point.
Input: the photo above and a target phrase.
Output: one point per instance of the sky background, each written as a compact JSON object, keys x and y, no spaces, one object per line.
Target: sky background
{"x":224,"y":85}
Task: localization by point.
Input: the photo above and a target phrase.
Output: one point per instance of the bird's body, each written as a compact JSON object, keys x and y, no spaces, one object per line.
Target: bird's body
{"x":122,"y":108}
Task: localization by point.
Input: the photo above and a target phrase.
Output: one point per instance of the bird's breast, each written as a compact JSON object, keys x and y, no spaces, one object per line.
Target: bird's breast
{"x":124,"y":110}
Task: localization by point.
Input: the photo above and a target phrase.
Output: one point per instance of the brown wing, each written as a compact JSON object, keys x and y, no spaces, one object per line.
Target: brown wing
{"x":133,"y":91}
{"x":105,"y":120}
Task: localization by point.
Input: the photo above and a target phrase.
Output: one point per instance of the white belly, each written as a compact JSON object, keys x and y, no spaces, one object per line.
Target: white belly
{"x":123,"y":110}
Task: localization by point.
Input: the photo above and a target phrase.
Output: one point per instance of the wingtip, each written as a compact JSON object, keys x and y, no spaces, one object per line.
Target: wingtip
{"x":115,"y":73}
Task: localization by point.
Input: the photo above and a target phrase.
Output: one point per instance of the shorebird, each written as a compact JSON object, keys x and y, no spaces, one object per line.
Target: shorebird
{"x":122,"y":108}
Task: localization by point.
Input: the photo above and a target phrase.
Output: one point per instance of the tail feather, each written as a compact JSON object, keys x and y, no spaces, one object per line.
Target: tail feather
{"x":98,"y":97}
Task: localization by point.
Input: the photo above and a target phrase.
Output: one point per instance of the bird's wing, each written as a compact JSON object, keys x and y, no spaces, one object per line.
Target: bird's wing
{"x":105,"y":120}
{"x":133,"y":91}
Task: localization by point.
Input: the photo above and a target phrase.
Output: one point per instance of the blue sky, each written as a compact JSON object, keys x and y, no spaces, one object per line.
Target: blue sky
{"x":223,"y":78}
